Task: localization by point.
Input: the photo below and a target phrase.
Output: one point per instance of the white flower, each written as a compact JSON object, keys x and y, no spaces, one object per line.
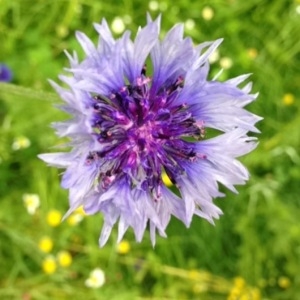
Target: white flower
{"x":31,"y":202}
{"x":118,"y":25}
{"x":189,"y":24}
{"x":226,"y":62}
{"x":214,"y":57}
{"x":153,"y":5}
{"x":207,"y":13}
{"x":96,"y":279}
{"x":20,"y":143}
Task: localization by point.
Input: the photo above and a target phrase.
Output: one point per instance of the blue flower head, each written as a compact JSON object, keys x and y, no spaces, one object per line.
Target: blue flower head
{"x":5,"y":73}
{"x":128,"y":127}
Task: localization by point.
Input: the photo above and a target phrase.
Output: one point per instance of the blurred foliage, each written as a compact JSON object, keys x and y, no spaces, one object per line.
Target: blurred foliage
{"x":257,"y":241}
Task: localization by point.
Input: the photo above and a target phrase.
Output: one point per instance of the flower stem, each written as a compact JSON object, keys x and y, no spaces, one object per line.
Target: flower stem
{"x":24,"y":92}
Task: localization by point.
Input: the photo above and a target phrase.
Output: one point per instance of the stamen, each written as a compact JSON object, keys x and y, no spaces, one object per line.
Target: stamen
{"x":144,"y":69}
{"x":142,"y":134}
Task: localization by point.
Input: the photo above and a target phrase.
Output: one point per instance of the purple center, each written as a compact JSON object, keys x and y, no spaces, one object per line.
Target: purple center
{"x":142,"y":133}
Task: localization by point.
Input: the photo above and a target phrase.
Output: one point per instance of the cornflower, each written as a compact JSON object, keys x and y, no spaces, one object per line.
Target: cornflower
{"x":128,"y":129}
{"x":5,"y":73}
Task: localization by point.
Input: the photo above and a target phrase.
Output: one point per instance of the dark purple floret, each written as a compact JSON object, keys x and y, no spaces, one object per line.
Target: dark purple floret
{"x":142,"y":134}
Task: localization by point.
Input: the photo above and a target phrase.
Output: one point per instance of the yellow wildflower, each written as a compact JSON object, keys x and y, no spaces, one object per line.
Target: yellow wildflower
{"x":240,"y":291}
{"x":237,"y":289}
{"x":54,"y":217}
{"x":123,"y":247}
{"x":62,"y":30}
{"x":239,"y":282}
{"x":255,"y":294}
{"x":49,"y":265}
{"x":252,"y":53}
{"x":45,"y":244}
{"x":284,"y":282}
{"x":194,"y":275}
{"x":288,"y":99}
{"x":80,"y":211}
{"x":64,"y":258}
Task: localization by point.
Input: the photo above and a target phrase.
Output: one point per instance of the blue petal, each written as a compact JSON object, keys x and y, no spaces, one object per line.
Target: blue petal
{"x":169,"y":56}
{"x":135,"y":54}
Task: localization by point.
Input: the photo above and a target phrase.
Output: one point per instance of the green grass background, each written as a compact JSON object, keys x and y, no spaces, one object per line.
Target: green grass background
{"x":258,"y":238}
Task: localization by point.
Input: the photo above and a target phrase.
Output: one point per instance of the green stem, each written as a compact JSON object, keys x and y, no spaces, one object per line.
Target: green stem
{"x":24,"y":92}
